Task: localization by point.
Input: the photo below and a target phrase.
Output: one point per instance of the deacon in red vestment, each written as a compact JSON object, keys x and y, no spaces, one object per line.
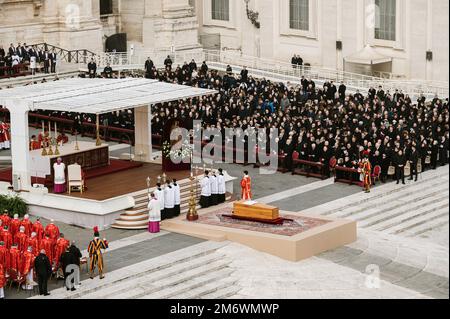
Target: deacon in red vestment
{"x":6,"y":237}
{"x":52,"y":231}
{"x":15,"y":258}
{"x":4,"y":256}
{"x":26,"y":222}
{"x":61,"y":246}
{"x":21,"y":239}
{"x":38,"y":229}
{"x":246,"y":186}
{"x":48,"y":245}
{"x":15,"y":225}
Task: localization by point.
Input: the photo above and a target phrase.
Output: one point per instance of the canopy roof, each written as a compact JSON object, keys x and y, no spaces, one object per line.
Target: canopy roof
{"x":98,"y":96}
{"x":369,"y":56}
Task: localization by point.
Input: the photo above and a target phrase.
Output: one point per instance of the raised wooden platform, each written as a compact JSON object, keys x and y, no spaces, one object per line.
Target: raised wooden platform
{"x":125,"y":182}
{"x":330,"y":233}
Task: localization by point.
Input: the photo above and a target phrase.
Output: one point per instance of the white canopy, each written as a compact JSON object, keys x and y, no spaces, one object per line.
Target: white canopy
{"x":99,"y":96}
{"x":368,"y":56}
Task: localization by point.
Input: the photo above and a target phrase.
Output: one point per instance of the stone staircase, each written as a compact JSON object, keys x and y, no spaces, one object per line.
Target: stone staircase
{"x":408,"y":210}
{"x":197,"y":272}
{"x":137,"y":216}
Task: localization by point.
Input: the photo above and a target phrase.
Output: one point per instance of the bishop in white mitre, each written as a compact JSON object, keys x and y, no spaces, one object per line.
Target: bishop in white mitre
{"x":59,"y":169}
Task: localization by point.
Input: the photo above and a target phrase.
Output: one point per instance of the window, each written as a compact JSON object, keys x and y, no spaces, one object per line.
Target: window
{"x":385,"y":20}
{"x":299,"y":14}
{"x":106,"y":7}
{"x":220,"y":10}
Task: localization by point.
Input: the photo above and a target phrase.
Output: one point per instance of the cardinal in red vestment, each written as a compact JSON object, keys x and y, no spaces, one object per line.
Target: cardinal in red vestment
{"x":26,"y":222}
{"x":2,"y":281}
{"x":246,"y":186}
{"x":33,"y":242}
{"x":6,"y":220}
{"x":15,"y":225}
{"x":15,"y":258}
{"x":4,"y":256}
{"x":38,"y":229}
{"x":2,"y":278}
{"x":21,"y":239}
{"x":34,"y":144}
{"x":6,"y":237}
{"x":6,"y":137}
{"x":52,"y":231}
{"x":26,"y":267}
{"x":48,"y":245}
{"x":61,"y":246}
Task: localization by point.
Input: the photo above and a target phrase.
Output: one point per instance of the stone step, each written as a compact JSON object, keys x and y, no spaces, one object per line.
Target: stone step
{"x":424,"y":222}
{"x":151,"y":279}
{"x":223,"y":293}
{"x":194,"y":282}
{"x":167,"y":284}
{"x":138,"y":270}
{"x":210,"y":288}
{"x":408,"y":214}
{"x":385,"y":202}
{"x":435,"y":224}
{"x":399,"y":208}
{"x":384,"y":190}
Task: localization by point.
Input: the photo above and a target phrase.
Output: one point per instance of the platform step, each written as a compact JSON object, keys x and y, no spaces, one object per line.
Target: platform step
{"x":160,"y":279}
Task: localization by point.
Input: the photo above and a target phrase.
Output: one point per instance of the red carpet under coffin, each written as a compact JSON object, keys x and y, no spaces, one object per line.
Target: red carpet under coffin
{"x":114,"y":167}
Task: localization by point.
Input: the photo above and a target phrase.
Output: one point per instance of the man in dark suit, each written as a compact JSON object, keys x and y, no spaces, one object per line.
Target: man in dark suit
{"x":400,"y":162}
{"x":67,"y":259}
{"x":414,"y":159}
{"x":46,"y":58}
{"x":92,"y":68}
{"x":53,"y":58}
{"x":43,"y":270}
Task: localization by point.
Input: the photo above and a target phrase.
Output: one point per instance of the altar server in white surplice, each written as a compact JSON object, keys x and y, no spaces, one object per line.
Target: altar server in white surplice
{"x":214,"y":189}
{"x":222,"y":189}
{"x":169,"y":201}
{"x":159,"y":194}
{"x":205,"y":184}
{"x":154,"y":214}
{"x":177,"y":191}
{"x":59,"y":169}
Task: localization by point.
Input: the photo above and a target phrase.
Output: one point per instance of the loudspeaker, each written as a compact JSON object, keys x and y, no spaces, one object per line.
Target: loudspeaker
{"x":429,"y":56}
{"x":338,"y":45}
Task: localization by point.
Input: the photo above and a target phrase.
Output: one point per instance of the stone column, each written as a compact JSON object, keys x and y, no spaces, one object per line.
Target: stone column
{"x":170,"y":23}
{"x":20,"y":142}
{"x":143,"y":134}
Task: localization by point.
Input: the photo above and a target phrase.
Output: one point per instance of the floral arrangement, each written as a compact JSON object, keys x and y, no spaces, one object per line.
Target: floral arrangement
{"x":180,"y":154}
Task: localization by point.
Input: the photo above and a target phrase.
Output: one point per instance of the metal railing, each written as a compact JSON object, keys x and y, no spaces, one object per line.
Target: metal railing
{"x":75,"y":56}
{"x":270,"y":69}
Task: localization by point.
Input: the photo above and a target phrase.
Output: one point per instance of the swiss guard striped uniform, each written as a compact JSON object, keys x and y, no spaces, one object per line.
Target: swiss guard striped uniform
{"x":95,"y":254}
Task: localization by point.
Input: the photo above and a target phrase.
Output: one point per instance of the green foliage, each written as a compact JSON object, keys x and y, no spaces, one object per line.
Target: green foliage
{"x":13,"y":204}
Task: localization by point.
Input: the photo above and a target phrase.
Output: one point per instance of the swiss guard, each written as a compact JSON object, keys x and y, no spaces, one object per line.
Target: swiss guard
{"x":95,"y":254}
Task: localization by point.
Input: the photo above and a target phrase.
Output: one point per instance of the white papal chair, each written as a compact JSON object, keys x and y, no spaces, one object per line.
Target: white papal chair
{"x":75,"y":178}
